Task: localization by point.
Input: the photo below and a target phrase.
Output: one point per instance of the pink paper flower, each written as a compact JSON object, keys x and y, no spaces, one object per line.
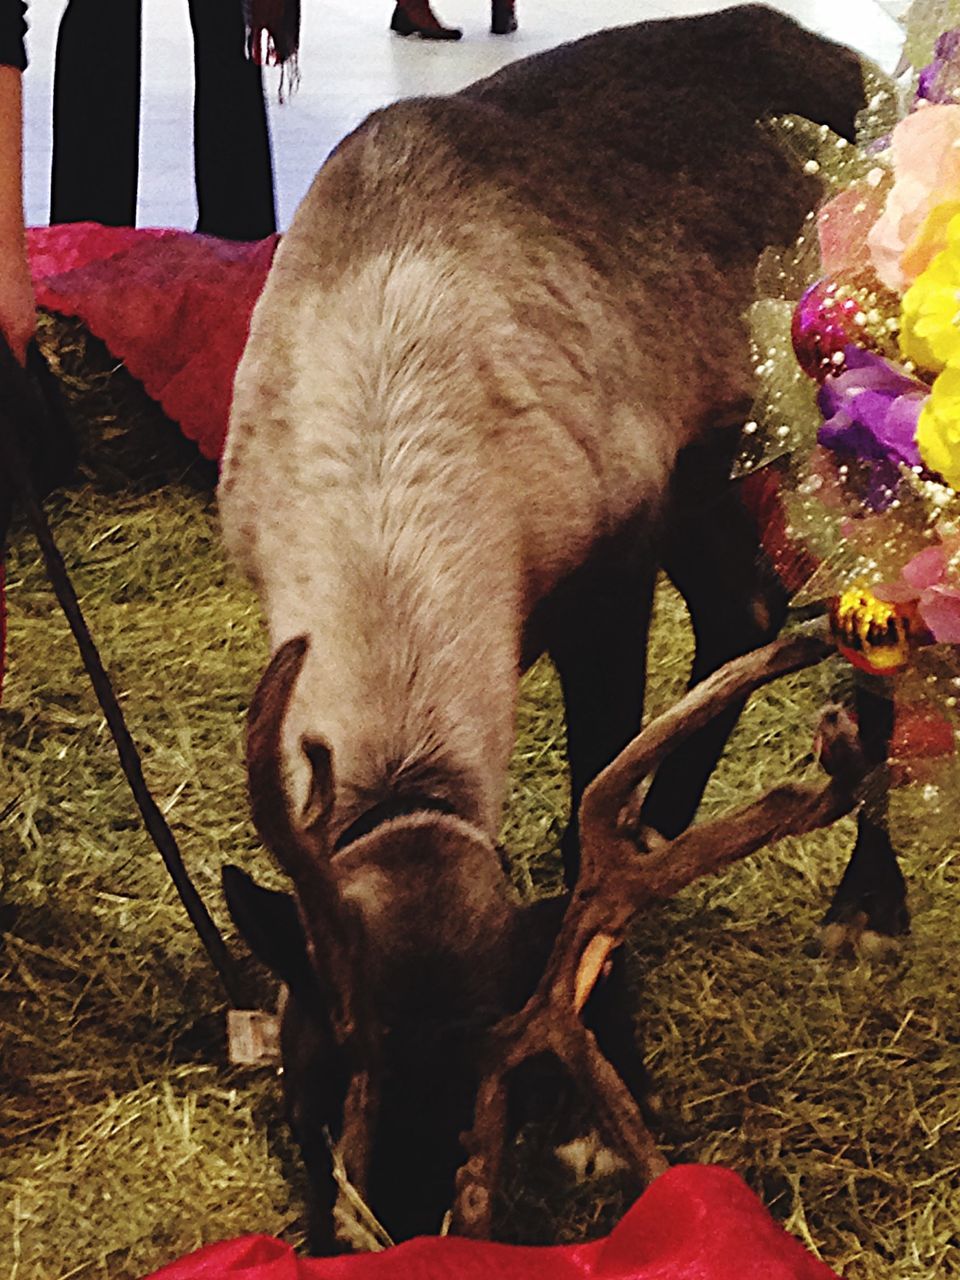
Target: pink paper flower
{"x":932,"y":579}
{"x":843,"y":225}
{"x":925,"y":149}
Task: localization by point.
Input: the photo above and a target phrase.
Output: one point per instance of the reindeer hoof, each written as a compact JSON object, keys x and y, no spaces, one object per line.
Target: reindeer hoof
{"x":869,"y":909}
{"x":853,"y":939}
{"x":880,"y":947}
{"x":867,"y":922}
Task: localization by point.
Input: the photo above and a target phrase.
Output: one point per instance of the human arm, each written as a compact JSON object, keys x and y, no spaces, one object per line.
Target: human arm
{"x":17,"y":306}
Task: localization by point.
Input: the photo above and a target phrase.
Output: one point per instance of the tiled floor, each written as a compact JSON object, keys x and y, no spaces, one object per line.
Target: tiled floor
{"x":352,"y":64}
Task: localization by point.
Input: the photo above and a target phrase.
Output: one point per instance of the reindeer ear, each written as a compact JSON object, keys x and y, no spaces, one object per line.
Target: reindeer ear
{"x":319,"y":805}
{"x":270,"y":924}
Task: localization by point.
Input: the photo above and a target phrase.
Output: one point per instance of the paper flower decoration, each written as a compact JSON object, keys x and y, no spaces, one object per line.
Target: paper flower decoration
{"x":926,"y":163}
{"x":929,"y":331}
{"x":932,"y":580}
{"x":940,"y":79}
{"x":938,"y":427}
{"x":870,"y":413}
{"x":877,"y":498}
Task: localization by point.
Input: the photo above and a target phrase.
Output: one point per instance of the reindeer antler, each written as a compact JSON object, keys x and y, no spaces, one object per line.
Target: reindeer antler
{"x":616,"y":881}
{"x":304,"y":851}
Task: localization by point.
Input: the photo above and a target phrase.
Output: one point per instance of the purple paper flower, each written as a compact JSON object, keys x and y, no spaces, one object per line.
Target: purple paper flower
{"x":940,"y":79}
{"x":870,"y":415}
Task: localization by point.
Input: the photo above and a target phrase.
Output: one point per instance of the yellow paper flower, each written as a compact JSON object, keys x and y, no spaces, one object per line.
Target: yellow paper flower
{"x":938,"y":430}
{"x":930,"y":320}
{"x":931,"y":239}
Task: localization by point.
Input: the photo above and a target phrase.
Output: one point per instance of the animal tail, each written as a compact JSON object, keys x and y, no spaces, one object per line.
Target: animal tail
{"x":790,"y":70}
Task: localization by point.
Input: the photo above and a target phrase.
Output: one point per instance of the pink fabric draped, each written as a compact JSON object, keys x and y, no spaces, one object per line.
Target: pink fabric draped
{"x":172,"y":305}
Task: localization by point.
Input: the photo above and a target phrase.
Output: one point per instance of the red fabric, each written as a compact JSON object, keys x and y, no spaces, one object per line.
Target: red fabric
{"x":760,"y":495}
{"x":696,"y":1222}
{"x":173,"y":305}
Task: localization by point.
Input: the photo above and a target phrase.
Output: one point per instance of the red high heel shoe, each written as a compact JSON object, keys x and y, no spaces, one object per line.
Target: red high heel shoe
{"x":416,"y":18}
{"x":503,"y":18}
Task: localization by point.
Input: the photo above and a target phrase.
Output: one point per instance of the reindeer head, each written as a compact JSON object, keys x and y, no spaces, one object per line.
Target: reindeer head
{"x":399,"y":951}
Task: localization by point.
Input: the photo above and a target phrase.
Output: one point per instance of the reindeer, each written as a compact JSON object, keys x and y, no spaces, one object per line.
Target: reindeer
{"x":493,"y":383}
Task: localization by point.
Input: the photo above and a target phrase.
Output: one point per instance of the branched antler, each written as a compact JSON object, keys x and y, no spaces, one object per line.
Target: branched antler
{"x":304,"y":849}
{"x":616,"y":882}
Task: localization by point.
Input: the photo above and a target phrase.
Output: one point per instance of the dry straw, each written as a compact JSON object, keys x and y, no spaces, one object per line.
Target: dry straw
{"x":834,"y":1088}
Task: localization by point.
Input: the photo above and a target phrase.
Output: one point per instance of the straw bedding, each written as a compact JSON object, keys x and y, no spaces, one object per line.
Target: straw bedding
{"x":125,"y":1137}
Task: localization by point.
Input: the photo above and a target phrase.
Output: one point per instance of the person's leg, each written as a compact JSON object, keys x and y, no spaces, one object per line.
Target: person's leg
{"x":234,"y":171}
{"x":503,"y":17}
{"x":96,"y":113}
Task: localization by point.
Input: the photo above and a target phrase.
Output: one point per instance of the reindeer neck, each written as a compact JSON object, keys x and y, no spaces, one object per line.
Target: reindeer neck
{"x":396,"y":550}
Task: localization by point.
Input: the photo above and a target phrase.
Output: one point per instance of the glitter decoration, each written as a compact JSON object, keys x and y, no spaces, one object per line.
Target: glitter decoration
{"x":940,"y":79}
{"x":882,"y":111}
{"x":785,"y":417}
{"x":925,"y":21}
{"x":858,"y":382}
{"x":875,"y":635}
{"x":833,"y":314}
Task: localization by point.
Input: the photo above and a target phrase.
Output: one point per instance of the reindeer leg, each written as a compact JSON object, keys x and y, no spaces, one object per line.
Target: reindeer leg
{"x":737,"y":603}
{"x":598,"y":641}
{"x":609,"y":1014}
{"x":599,"y":647}
{"x":869,"y":908}
{"x":321,"y":1198}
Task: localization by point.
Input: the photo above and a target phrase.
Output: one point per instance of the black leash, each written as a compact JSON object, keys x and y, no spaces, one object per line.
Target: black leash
{"x":25,"y":418}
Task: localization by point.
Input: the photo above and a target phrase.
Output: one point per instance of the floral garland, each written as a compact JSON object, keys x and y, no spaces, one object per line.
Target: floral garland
{"x":860,"y":378}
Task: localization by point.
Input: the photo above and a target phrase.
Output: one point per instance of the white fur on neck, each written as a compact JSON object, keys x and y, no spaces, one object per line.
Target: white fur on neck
{"x":375,"y":528}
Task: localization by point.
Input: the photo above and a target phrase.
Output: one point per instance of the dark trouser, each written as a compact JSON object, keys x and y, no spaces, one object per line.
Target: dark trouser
{"x":96,"y":120}
{"x":96,"y":113}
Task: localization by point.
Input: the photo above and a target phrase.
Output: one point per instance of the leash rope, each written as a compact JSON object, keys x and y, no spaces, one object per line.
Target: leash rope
{"x":22,"y":398}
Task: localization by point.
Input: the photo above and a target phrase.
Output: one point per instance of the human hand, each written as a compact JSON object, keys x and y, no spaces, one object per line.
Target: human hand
{"x":18,"y":308}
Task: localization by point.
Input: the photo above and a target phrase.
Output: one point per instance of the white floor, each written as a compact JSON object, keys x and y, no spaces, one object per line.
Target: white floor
{"x":350,"y":65}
